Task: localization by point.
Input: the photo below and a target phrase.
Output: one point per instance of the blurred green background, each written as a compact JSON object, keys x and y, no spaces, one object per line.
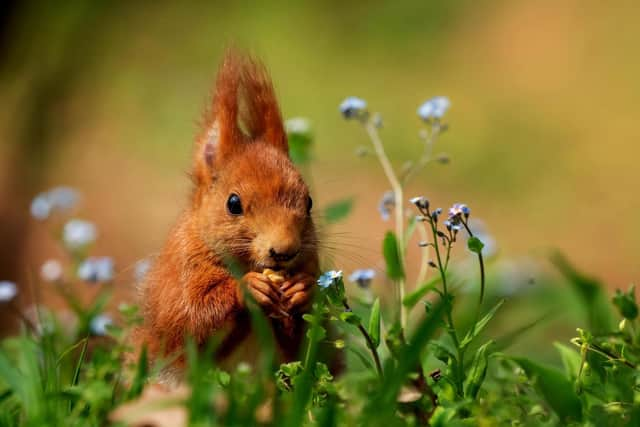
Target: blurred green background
{"x":105,"y":97}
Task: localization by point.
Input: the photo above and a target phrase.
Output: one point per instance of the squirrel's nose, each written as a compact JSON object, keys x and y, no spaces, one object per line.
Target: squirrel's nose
{"x":282,"y":256}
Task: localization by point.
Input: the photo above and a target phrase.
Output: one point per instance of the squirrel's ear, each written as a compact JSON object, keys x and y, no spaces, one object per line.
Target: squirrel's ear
{"x":261,"y":114}
{"x":220,"y":133}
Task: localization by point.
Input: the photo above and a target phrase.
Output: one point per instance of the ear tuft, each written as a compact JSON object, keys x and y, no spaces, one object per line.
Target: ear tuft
{"x":244,"y":99}
{"x":261,"y":115}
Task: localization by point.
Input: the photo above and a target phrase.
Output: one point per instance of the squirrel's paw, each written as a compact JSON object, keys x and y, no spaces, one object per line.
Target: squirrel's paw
{"x":266,"y":293}
{"x":297,"y":292}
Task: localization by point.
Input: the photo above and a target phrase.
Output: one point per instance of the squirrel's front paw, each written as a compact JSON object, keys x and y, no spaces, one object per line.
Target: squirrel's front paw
{"x":297,"y":292}
{"x":266,"y":293}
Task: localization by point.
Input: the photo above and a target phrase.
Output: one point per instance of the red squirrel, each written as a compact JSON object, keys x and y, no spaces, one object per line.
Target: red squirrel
{"x":249,"y":204}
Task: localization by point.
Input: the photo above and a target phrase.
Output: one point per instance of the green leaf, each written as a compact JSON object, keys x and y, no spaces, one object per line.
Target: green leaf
{"x":395,"y":339}
{"x":337,"y":211}
{"x":512,"y":336}
{"x":411,"y":299}
{"x":300,"y":147}
{"x":408,"y":358}
{"x":142,"y":372}
{"x":478,"y":371}
{"x":591,"y":291}
{"x":626,"y":303}
{"x":374,"y":323}
{"x":556,"y":389}
{"x":442,"y":352}
{"x":475,"y":245}
{"x":350,"y":317}
{"x":362,"y":357}
{"x":480,"y":325}
{"x":395,"y":270}
{"x":80,"y":362}
{"x":571,"y":360}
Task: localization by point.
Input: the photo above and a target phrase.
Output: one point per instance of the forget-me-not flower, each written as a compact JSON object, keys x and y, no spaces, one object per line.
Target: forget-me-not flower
{"x":8,"y":291}
{"x":362,"y":277}
{"x":434,"y":108}
{"x":353,"y":107}
{"x":458,"y":210}
{"x":78,"y":233}
{"x":421,"y":202}
{"x":99,"y":324}
{"x":51,"y":270}
{"x":56,"y":199}
{"x":385,"y":205}
{"x":328,"y":278}
{"x":96,"y":269}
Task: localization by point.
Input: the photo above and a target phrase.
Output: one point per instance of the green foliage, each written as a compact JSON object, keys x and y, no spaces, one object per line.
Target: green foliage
{"x":374,"y":323}
{"x":300,"y":144}
{"x":556,"y":389}
{"x":399,"y":368}
{"x":338,"y":210}
{"x":475,"y":245}
{"x":590,"y":290}
{"x":413,"y":298}
{"x":626,"y":303}
{"x":390,"y":249}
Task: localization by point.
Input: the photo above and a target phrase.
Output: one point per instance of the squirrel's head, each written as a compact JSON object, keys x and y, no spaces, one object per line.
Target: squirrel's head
{"x":250,"y":202}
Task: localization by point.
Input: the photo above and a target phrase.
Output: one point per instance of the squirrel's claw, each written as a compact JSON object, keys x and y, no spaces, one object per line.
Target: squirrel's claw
{"x":298,"y":292}
{"x":263,"y":291}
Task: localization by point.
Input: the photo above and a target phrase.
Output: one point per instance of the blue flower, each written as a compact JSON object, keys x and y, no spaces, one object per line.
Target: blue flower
{"x":8,"y":291}
{"x":56,"y":199}
{"x":387,"y":202}
{"x":63,"y":198}
{"x":421,"y":202}
{"x":78,"y":233}
{"x":453,"y":225}
{"x":40,"y":207}
{"x":99,"y":324}
{"x":96,"y":269}
{"x":434,"y":108}
{"x":51,"y":271}
{"x":362,"y":277}
{"x":457,"y":211}
{"x":353,"y":107}
{"x":328,"y":278}
{"x":436,"y":214}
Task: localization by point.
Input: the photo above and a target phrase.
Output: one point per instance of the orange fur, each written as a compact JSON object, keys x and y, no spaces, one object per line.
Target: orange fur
{"x":242,"y":149}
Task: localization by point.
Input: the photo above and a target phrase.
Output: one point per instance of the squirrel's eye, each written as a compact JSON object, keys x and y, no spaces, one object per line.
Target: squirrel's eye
{"x":234,"y":206}
{"x":309,"y":204}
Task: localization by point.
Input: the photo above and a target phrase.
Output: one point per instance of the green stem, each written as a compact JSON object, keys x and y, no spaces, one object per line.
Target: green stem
{"x":429,"y":142}
{"x":480,"y":261}
{"x":424,"y":260}
{"x":396,"y":186}
{"x":370,"y":344}
{"x":451,"y":327}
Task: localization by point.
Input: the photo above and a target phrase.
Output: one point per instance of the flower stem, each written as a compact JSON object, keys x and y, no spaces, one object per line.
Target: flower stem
{"x":424,"y":267}
{"x":427,"y":151}
{"x":396,"y":186}
{"x":480,"y":261}
{"x":370,"y":344}
{"x":442,"y":268}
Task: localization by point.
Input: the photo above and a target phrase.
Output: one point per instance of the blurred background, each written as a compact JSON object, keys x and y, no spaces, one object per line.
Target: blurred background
{"x":105,"y":97}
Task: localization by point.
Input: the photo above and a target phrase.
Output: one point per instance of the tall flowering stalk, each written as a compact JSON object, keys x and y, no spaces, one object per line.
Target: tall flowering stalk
{"x":431,"y":112}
